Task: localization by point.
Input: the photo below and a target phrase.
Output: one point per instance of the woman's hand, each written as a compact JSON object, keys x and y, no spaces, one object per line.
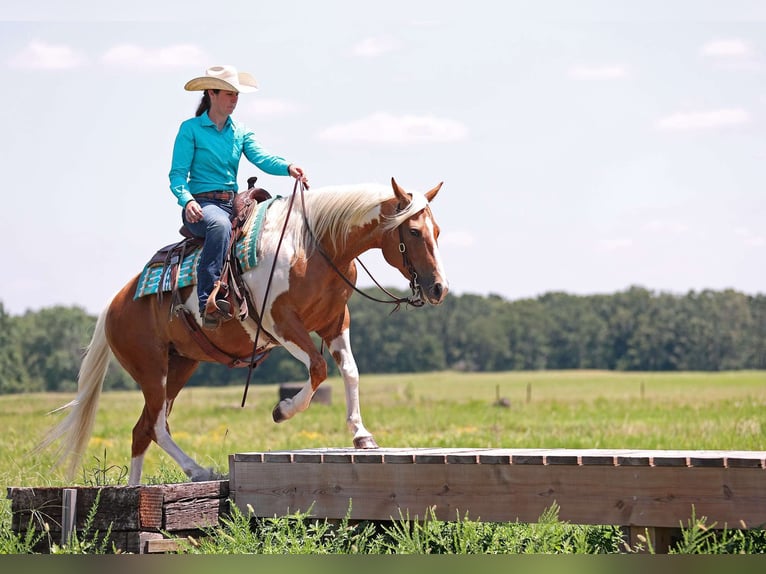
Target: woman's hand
{"x":193,"y":211}
{"x":298,"y":173}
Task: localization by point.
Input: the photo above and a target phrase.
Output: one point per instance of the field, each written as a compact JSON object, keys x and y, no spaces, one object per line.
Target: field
{"x":570,"y":409}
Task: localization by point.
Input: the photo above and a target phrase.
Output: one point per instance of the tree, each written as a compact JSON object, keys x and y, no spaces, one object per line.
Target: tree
{"x":13,"y":377}
{"x":52,"y":344}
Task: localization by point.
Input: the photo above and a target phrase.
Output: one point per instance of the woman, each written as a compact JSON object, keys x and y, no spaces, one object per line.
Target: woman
{"x":203,"y":175}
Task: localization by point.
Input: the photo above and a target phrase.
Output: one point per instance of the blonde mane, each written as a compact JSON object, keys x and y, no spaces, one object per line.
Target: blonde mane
{"x":333,"y":212}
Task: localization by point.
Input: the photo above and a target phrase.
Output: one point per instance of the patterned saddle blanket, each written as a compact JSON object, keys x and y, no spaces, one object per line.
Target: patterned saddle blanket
{"x":154,"y":278}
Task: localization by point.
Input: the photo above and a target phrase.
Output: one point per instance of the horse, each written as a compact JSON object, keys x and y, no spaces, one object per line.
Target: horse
{"x":307,"y":267}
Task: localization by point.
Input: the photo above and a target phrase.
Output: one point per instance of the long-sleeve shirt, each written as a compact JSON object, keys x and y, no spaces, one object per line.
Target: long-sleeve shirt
{"x":205,"y":159}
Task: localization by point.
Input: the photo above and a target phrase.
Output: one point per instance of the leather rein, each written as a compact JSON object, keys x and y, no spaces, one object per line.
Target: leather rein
{"x":413,"y":300}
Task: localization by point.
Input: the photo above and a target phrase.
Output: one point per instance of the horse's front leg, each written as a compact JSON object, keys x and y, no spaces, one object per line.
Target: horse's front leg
{"x":340,"y":347}
{"x":317,"y":367}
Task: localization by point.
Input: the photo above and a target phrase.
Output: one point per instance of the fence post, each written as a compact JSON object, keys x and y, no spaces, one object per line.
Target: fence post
{"x":68,"y":514}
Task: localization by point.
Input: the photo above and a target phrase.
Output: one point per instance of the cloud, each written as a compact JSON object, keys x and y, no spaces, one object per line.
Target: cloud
{"x":382,"y":127}
{"x":726,"y":49}
{"x":132,"y":55}
{"x":703,"y":120}
{"x":44,"y":56}
{"x":597,"y":72}
{"x":271,"y":108}
{"x":375,"y":46}
{"x":749,"y":238}
{"x":733,"y":54}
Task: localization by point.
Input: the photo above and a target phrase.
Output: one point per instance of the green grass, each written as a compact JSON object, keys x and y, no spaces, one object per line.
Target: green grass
{"x":570,"y":409}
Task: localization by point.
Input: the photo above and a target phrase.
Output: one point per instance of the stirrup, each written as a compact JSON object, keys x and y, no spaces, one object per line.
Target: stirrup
{"x":216,"y":312}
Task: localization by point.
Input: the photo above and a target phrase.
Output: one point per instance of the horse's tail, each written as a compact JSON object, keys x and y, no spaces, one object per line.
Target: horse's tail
{"x":76,"y":428}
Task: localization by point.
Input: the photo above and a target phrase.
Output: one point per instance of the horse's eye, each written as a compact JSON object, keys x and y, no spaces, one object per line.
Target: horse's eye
{"x":415,"y":232}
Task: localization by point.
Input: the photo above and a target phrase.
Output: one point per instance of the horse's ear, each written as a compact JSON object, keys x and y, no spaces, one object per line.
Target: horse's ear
{"x":430,"y":194}
{"x":399,"y":192}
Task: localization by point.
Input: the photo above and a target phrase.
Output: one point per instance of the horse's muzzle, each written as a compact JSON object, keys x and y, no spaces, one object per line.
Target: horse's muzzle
{"x":436,"y":293}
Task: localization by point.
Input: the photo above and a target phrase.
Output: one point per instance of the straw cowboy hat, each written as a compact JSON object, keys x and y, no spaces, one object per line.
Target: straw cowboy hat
{"x":223,"y":78}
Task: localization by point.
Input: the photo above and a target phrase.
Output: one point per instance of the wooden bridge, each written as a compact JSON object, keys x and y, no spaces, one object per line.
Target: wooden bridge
{"x":647,"y":492}
{"x":652,"y":492}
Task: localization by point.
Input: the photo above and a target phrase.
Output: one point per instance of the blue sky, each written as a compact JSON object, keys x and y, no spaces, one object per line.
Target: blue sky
{"x":585,"y":146}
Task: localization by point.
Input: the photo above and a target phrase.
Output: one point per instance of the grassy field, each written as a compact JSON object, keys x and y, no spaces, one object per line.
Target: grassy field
{"x":570,"y":409}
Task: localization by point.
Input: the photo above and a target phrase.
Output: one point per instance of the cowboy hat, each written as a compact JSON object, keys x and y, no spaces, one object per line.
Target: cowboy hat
{"x":223,"y":78}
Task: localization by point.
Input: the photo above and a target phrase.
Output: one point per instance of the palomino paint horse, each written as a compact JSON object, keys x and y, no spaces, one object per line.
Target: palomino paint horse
{"x":307,"y":294}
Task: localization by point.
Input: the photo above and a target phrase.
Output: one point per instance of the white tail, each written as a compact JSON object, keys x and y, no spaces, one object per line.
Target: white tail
{"x":76,"y":428}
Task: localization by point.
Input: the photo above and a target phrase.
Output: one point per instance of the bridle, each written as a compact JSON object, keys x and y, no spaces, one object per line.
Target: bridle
{"x":414,"y":300}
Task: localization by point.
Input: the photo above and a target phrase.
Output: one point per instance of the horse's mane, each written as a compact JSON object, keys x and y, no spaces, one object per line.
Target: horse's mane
{"x":332,"y":212}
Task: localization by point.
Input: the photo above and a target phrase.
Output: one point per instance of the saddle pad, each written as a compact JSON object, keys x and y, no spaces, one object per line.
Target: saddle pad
{"x":245,"y":249}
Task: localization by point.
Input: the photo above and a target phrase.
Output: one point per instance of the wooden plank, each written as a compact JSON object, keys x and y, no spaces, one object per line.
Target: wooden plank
{"x":118,"y":506}
{"x":194,"y":513}
{"x":162,"y":545}
{"x":69,"y":501}
{"x":589,"y":494}
{"x":187,"y":490}
{"x":150,"y":502}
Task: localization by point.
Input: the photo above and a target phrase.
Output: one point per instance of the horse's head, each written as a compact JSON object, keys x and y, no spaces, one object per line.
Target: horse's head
{"x":411,"y":246}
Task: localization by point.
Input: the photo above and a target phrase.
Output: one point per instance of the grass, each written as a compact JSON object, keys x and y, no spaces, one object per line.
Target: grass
{"x":569,"y":409}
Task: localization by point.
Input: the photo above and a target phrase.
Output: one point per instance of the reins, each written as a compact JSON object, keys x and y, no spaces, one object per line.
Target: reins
{"x":266,"y":293}
{"x":414,"y":300}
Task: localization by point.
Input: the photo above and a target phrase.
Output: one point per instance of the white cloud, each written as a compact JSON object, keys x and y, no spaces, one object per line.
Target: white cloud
{"x":44,"y":56}
{"x":726,"y":48}
{"x":382,"y":127}
{"x":710,"y":119}
{"x":133,"y":55}
{"x":597,"y":72}
{"x":375,"y":46}
{"x":749,"y":238}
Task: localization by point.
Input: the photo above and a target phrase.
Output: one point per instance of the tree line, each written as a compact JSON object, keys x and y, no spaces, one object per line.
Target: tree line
{"x":633,"y":330}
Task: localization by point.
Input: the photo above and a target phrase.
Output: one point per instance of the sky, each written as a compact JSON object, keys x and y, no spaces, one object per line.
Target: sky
{"x":585,"y":147}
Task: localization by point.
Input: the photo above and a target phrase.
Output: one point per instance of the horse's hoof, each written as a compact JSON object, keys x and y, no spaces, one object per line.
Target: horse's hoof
{"x":277,"y":415}
{"x":365,"y":442}
{"x":206,"y":475}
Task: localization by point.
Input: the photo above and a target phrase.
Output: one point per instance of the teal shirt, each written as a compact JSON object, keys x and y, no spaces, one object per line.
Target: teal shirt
{"x":205,"y":159}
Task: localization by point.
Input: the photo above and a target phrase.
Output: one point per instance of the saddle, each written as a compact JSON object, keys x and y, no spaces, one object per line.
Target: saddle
{"x":230,"y":287}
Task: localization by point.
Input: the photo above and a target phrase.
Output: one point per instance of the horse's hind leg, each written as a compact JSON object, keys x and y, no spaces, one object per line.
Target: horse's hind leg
{"x":153,"y":423}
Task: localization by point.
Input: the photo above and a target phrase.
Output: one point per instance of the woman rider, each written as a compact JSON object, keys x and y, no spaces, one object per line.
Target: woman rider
{"x":203,"y":175}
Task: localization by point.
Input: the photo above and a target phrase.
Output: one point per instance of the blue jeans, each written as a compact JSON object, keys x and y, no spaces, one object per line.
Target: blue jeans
{"x":215,"y":228}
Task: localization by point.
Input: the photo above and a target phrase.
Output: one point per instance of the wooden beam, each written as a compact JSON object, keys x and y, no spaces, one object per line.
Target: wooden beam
{"x":624,"y":488}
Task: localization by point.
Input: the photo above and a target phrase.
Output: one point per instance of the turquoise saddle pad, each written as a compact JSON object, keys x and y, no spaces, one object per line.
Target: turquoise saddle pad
{"x":151,"y":276}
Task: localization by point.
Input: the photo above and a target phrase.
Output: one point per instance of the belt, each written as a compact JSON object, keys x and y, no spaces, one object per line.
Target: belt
{"x":215,"y":195}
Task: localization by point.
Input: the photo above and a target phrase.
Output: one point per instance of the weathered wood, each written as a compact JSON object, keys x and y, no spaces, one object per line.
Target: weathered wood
{"x":156,"y":544}
{"x":68,"y":513}
{"x":652,"y":492}
{"x":134,"y":514}
{"x":654,"y":489}
{"x":199,"y":512}
{"x":117,"y":507}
